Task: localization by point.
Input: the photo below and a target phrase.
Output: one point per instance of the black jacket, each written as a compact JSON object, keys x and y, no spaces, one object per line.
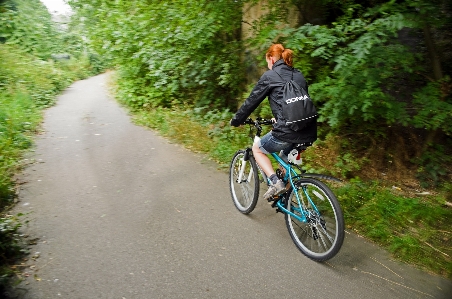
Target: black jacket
{"x":270,"y":84}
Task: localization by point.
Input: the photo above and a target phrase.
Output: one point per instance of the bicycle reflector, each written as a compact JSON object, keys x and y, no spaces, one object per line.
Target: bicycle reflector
{"x":295,"y":157}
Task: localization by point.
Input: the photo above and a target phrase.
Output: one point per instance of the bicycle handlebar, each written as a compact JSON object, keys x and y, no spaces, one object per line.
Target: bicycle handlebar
{"x":258,"y":121}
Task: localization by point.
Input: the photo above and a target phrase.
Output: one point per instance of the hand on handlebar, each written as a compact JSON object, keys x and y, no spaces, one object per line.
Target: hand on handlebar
{"x":234,"y":125}
{"x":258,"y":121}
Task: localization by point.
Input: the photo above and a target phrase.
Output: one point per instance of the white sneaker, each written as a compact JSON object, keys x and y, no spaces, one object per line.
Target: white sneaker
{"x":274,"y":190}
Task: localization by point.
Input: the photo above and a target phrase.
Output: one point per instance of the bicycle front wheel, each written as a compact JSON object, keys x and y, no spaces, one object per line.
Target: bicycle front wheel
{"x":244,"y":182}
{"x":317,"y":223}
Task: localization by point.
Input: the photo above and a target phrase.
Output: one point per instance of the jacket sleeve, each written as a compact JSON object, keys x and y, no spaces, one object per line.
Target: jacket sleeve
{"x":257,"y":95}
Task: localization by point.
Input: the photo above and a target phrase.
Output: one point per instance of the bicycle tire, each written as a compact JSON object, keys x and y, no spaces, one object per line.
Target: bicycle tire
{"x":245,"y":193}
{"x":319,"y":238}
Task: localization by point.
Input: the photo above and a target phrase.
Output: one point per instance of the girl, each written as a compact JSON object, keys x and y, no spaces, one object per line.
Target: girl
{"x":280,"y":138}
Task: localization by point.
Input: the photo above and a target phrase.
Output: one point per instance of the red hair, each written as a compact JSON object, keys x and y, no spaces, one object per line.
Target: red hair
{"x":277,"y":51}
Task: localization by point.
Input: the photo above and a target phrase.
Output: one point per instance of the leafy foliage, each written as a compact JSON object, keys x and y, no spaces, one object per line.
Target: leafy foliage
{"x":39,"y":37}
{"x":375,"y":68}
{"x":27,"y":25}
{"x":169,"y":52}
{"x":368,"y":47}
{"x":368,"y":64}
{"x":432,"y":164}
{"x":18,"y":120}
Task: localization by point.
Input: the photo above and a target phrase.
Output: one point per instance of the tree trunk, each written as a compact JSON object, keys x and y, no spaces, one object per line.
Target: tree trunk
{"x":437,"y":73}
{"x":433,"y":53}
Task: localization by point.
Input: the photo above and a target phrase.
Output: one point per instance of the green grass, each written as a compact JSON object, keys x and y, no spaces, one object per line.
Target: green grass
{"x":19,"y":118}
{"x":416,"y":230}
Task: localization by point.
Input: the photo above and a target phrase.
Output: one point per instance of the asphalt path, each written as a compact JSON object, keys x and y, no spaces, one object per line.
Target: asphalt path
{"x":117,"y":211}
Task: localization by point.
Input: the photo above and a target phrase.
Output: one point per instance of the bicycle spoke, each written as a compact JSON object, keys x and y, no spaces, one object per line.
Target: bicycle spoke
{"x":243,"y":182}
{"x":320,"y":236}
{"x":312,"y":213}
{"x":246,"y":191}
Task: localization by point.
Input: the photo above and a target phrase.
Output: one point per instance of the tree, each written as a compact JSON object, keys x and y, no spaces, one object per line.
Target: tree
{"x":376,"y":69}
{"x":169,"y":52}
{"x":40,"y":37}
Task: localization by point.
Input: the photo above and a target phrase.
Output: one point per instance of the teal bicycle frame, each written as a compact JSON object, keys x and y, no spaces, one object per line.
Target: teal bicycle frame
{"x":312,"y":212}
{"x":289,"y":176}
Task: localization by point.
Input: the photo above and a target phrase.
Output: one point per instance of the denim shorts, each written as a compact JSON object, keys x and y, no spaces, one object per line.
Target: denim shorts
{"x":269,"y":144}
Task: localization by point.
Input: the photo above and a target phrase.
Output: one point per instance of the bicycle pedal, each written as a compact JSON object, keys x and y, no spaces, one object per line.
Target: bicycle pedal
{"x":271,"y":200}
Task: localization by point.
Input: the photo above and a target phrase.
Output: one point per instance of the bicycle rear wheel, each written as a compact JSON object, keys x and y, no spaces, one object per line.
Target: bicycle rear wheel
{"x":244,"y":182}
{"x":317,"y":228}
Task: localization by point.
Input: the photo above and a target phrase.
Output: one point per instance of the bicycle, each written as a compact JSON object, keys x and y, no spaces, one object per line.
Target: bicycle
{"x":313,"y":215}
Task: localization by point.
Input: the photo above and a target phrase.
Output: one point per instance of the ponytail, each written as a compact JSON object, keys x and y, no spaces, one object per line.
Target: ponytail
{"x":287,"y":55}
{"x":277,"y":51}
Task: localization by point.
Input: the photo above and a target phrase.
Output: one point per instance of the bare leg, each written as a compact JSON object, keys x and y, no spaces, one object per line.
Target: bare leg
{"x":263,"y":161}
{"x":266,"y":165}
